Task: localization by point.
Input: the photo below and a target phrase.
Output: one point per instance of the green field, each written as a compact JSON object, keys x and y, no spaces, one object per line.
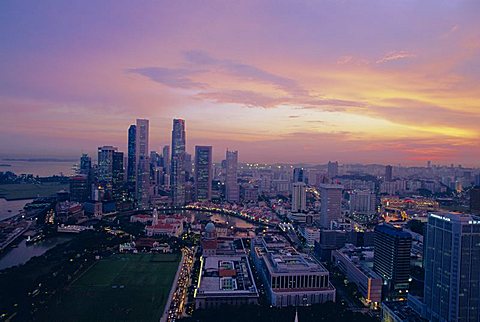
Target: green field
{"x":124,"y":287}
{"x":19,"y":191}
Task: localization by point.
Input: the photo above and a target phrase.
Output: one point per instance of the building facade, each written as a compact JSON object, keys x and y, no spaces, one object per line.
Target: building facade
{"x":232,"y":189}
{"x":142,"y":164}
{"x":203,"y":173}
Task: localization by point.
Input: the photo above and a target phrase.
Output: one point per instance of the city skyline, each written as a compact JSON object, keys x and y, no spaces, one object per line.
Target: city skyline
{"x":392,"y":82}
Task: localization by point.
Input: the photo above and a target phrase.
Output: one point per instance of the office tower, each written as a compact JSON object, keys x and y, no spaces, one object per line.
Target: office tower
{"x":388,"y":173}
{"x":166,"y":159}
{"x":177,"y":174}
{"x":85,"y":164}
{"x":232,"y":190}
{"x":299,"y":197}
{"x":298,"y":175}
{"x":475,"y":200}
{"x":142,"y":174}
{"x":105,"y":167}
{"x":203,"y":173}
{"x":132,"y":157}
{"x":452,"y":270}
{"x":477,"y":180}
{"x":118,"y":176}
{"x":391,"y":259}
{"x":332,"y":169}
{"x":331,"y":204}
{"x":188,"y":165}
{"x":79,"y":188}
{"x":362,"y":202}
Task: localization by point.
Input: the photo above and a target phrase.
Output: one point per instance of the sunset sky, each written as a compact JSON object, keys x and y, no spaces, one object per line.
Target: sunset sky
{"x":280,"y":81}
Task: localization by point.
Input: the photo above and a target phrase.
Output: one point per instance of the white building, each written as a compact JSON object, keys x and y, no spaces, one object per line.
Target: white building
{"x":299,"y":197}
{"x":362,"y":202}
{"x":290,"y":278}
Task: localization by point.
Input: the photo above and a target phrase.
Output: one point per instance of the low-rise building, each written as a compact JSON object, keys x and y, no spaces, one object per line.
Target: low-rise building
{"x":290,"y":277}
{"x":354,"y":263}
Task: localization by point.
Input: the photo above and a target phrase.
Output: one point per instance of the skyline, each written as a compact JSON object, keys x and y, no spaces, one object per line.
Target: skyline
{"x":372,"y":82}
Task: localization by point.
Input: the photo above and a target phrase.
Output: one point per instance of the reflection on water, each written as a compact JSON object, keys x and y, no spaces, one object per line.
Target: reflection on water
{"x":9,"y":208}
{"x":216,"y":218}
{"x":21,"y":254}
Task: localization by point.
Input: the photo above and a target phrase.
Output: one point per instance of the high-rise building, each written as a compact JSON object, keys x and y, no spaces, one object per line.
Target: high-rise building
{"x":203,"y":173}
{"x":299,"y":197}
{"x":177,"y":173}
{"x":118,"y":177}
{"x":132,"y":157}
{"x":298,"y":175}
{"x":475,"y":200}
{"x":452,"y":270}
{"x":85,"y":164}
{"x":388,"y":173}
{"x":166,"y":158}
{"x":332,"y":169}
{"x":331,"y":204}
{"x":391,"y":259}
{"x":142,"y":164}
{"x":362,"y":202}
{"x":105,"y":166}
{"x":232,"y":189}
{"x":79,"y":188}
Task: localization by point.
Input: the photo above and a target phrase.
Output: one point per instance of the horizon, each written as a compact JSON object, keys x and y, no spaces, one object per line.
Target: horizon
{"x":280,"y":82}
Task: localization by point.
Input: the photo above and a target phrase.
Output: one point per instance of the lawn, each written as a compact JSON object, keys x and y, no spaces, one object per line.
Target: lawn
{"x":124,"y":287}
{"x":18,"y":191}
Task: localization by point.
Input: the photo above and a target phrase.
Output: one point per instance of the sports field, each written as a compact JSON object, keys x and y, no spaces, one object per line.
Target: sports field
{"x":124,"y":287}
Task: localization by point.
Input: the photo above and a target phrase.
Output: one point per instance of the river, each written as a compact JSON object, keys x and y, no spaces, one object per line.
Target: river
{"x":21,"y":254}
{"x":13,"y":205}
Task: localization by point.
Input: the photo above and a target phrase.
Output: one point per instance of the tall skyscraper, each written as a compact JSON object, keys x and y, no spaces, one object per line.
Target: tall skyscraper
{"x":132,"y":157}
{"x":118,"y":176}
{"x":203,"y":173}
{"x":105,"y":166}
{"x":388,"y":173}
{"x":391,"y":259}
{"x":452,"y":267}
{"x":299,"y":197}
{"x":331,"y":204}
{"x":85,"y":164}
{"x":232,"y":189}
{"x":332,"y":169}
{"x":298,"y":175}
{"x":142,"y":173}
{"x":177,"y":173}
{"x":166,"y":158}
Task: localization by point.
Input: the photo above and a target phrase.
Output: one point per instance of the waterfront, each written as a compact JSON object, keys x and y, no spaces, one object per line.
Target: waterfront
{"x":14,"y":205}
{"x":23,"y":252}
{"x":40,"y":168}
{"x":193,"y":215}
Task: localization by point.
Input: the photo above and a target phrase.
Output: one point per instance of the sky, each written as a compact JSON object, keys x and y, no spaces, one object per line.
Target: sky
{"x":280,"y":81}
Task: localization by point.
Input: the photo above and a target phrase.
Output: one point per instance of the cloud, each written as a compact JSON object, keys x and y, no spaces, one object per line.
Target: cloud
{"x":395,"y":55}
{"x":172,"y":77}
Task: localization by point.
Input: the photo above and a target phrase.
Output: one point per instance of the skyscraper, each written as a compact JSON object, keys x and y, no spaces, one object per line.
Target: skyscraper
{"x":85,"y":164}
{"x":118,"y":176}
{"x":177,"y":173}
{"x":142,"y":174}
{"x":391,"y":259}
{"x":132,"y":157}
{"x":166,"y":158}
{"x":105,"y":166}
{"x":203,"y":173}
{"x":298,"y":175}
{"x":232,"y":190}
{"x":299,"y":197}
{"x":388,"y":173}
{"x":331,"y":204}
{"x":452,"y":270}
{"x":362,"y":202}
{"x":332,"y":169}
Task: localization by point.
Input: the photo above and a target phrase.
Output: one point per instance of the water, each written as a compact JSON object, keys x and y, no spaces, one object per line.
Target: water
{"x":14,"y":205}
{"x":216,"y":218}
{"x":23,"y":253}
{"x":40,"y":168}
